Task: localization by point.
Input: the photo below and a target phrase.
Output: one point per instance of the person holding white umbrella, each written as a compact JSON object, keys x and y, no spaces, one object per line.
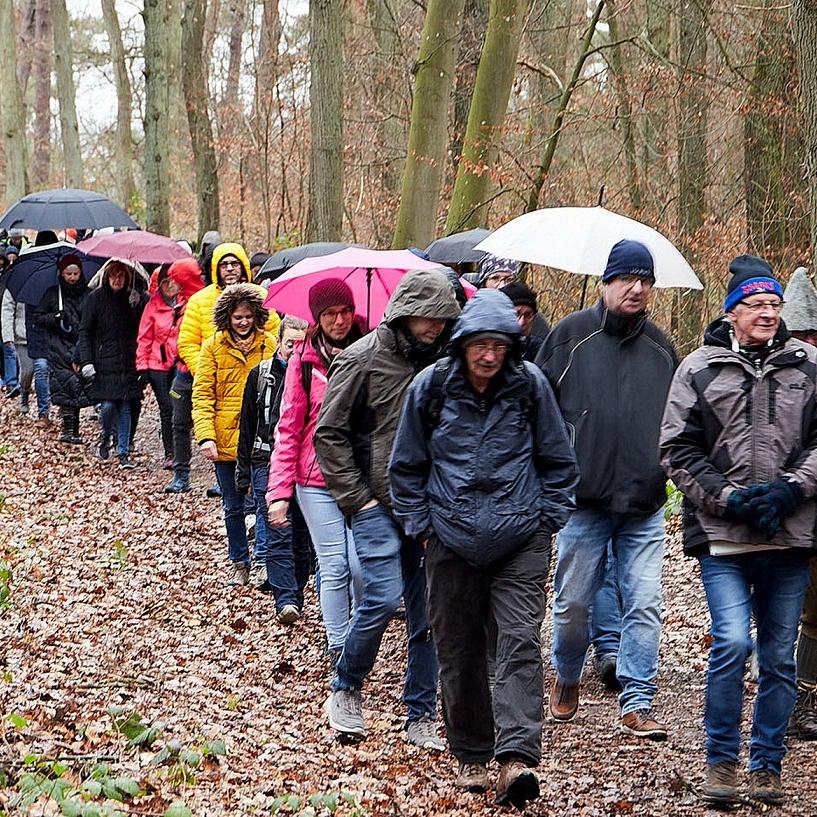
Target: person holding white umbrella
{"x":611,"y":369}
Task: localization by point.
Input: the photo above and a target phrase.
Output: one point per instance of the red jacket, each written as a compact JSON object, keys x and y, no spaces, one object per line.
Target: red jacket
{"x":156,"y":344}
{"x":187,"y":274}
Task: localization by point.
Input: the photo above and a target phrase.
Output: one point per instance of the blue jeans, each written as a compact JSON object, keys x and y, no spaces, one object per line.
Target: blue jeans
{"x":41,"y":388}
{"x":233,"y":504}
{"x":638,"y":546}
{"x":605,"y":618}
{"x":393,"y":566}
{"x":114,"y":413}
{"x":337,"y":561}
{"x":10,"y":367}
{"x":772,"y":584}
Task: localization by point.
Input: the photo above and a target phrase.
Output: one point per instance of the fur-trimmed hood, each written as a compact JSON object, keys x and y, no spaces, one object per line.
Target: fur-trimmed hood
{"x":231,"y":297}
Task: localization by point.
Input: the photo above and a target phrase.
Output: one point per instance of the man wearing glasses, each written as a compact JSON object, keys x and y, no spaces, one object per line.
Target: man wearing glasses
{"x":739,"y":438}
{"x":611,"y":368}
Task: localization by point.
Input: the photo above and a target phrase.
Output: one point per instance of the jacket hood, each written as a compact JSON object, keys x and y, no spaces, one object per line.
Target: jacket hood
{"x":490,"y":310}
{"x":800,"y":309}
{"x":423,"y":294}
{"x":187,"y":274}
{"x":229,"y":248}
{"x":136,"y":275}
{"x":231,"y":296}
{"x":718,"y":334}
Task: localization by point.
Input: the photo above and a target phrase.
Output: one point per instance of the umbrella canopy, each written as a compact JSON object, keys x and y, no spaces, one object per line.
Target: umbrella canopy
{"x":65,"y":207}
{"x":283,"y":260}
{"x":372,"y":275}
{"x":135,"y":245}
{"x":579,"y":239}
{"x":458,"y":248}
{"x":35,"y":271}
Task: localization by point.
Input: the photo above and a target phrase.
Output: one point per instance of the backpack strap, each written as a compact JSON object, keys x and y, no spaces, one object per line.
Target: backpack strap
{"x":306,"y":382}
{"x":436,"y":395}
{"x":264,"y":400}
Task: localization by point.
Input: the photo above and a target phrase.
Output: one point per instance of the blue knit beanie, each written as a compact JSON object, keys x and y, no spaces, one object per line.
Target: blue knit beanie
{"x":629,"y":258}
{"x":750,"y":275}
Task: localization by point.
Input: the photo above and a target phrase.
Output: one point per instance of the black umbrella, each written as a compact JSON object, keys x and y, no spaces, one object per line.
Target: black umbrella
{"x":458,"y":248}
{"x":35,"y":271}
{"x":66,"y":207}
{"x":282,"y":260}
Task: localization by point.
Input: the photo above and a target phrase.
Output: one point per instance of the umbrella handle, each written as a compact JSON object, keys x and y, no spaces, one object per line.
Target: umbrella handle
{"x":368,"y":298}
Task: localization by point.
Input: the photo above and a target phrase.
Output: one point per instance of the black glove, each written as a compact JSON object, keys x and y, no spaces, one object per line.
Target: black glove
{"x":144,"y":379}
{"x":737,"y":505}
{"x":768,"y":510}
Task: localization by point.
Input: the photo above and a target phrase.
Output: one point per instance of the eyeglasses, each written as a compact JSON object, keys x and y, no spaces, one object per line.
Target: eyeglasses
{"x":759,"y":306}
{"x":482,"y":347}
{"x":229,"y":264}
{"x":501,"y":277}
{"x":334,"y":314}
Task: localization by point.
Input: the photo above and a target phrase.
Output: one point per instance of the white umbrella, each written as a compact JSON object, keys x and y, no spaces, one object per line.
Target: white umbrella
{"x":579,"y":239}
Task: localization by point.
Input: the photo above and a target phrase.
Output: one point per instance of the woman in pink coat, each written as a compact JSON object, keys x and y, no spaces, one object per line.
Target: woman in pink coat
{"x":294,"y":469}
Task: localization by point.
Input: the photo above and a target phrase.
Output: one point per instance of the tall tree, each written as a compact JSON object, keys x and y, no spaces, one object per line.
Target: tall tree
{"x":492,"y":88}
{"x":11,"y":110}
{"x":124,"y":103}
{"x":428,"y":132}
{"x":194,"y":83}
{"x":66,"y":93}
{"x":324,"y":220}
{"x":155,"y":14}
{"x":238,"y":15}
{"x":41,"y":71}
{"x":804,"y":18}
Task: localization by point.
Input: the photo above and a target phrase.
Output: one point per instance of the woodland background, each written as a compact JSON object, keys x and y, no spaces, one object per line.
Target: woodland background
{"x":391,"y":122}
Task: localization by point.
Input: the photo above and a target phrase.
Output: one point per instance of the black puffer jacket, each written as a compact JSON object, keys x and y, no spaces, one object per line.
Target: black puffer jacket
{"x":60,"y":316}
{"x":107,"y":339}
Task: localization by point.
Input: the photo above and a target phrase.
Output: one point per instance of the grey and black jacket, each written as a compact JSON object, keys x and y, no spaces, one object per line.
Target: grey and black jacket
{"x":730,"y":423}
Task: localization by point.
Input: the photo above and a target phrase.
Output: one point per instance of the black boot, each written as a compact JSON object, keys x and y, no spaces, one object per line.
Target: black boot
{"x":75,"y":438}
{"x":180,"y":484}
{"x":67,"y":434}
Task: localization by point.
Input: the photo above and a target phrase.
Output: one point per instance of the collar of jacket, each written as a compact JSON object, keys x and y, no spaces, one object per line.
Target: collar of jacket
{"x":619,"y":326}
{"x":717,"y":338}
{"x":260,"y":339}
{"x":509,"y":381}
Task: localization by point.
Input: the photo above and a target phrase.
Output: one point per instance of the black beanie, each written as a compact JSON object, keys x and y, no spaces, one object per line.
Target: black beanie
{"x":520,"y":295}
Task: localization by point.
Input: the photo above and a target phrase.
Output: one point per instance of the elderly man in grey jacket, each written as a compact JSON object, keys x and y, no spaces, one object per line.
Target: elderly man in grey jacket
{"x":739,"y":438}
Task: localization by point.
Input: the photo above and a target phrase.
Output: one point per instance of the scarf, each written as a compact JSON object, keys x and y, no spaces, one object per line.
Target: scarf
{"x":244,"y":344}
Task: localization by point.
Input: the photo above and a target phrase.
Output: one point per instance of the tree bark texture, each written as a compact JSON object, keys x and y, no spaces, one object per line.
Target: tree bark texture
{"x":157,"y":170}
{"x":324,"y":220}
{"x":804,"y":19}
{"x":492,"y":89}
{"x":12,"y":114}
{"x":194,"y":83}
{"x":41,"y":72}
{"x":428,"y":132}
{"x":124,"y":102}
{"x":66,"y":93}
{"x":27,"y":32}
{"x":238,"y":21}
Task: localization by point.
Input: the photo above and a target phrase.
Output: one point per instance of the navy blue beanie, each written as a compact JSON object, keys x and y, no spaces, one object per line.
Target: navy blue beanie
{"x":629,"y":258}
{"x":750,"y":275}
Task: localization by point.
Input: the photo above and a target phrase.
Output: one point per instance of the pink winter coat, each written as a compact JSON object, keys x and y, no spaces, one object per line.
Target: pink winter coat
{"x":293,"y":457}
{"x":156,"y":344}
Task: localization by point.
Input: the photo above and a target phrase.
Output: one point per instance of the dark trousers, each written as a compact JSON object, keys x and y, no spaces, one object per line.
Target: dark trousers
{"x":181,"y":393}
{"x":462,"y":599}
{"x":160,"y":382}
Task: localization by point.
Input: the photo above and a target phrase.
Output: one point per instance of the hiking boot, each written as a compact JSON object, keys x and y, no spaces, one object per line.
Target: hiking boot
{"x":103,"y":450}
{"x":765,"y":787}
{"x":180,"y":484}
{"x":289,"y":614}
{"x":238,"y":574}
{"x":721,"y":785}
{"x":640,"y":724}
{"x":803,"y":723}
{"x":563,"y":701}
{"x":472,"y":777}
{"x":126,"y":463}
{"x":43,"y":421}
{"x":258,"y":577}
{"x":606,"y":670}
{"x":517,"y":784}
{"x":345,"y":715}
{"x":213,"y":491}
{"x":423,"y":733}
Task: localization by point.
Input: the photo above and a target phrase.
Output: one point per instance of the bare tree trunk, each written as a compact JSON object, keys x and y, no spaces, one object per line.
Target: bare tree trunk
{"x":11,"y":110}
{"x":324,"y":220}
{"x":238,"y":13}
{"x":124,"y":102}
{"x":194,"y":82}
{"x":28,"y":35}
{"x":66,"y":93}
{"x":211,"y":28}
{"x":804,"y":20}
{"x":157,"y":178}
{"x":41,"y":163}
{"x":428,"y":133}
{"x":497,"y":66}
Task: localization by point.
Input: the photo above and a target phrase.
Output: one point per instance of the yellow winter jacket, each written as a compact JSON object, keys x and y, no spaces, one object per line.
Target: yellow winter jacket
{"x":197,"y":324}
{"x":218,"y":388}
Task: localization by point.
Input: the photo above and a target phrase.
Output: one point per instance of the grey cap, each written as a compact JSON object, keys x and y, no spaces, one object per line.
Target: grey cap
{"x":800,"y":310}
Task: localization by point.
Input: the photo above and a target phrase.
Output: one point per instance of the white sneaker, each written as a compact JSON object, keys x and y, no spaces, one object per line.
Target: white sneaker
{"x":289,"y":614}
{"x":345,"y":714}
{"x":238,"y":574}
{"x":258,"y":575}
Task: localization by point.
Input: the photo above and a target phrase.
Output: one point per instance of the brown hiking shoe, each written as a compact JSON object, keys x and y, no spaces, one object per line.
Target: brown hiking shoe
{"x":721,"y":785}
{"x":472,"y":777}
{"x":563,"y":701}
{"x":517,"y":784}
{"x":640,"y":724}
{"x":765,"y":787}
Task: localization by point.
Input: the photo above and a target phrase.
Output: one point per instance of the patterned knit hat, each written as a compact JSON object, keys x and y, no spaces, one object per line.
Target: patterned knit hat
{"x":327,"y":293}
{"x":491,"y":264}
{"x":750,"y":276}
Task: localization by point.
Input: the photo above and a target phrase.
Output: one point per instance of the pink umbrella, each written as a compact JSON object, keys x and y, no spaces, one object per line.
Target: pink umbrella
{"x":373,"y":276}
{"x":135,"y":245}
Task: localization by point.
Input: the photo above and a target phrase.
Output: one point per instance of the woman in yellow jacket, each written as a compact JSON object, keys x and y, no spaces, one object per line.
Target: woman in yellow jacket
{"x":239,"y":343}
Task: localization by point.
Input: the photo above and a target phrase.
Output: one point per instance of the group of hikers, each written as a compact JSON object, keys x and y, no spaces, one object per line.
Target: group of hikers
{"x":429,"y":463}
